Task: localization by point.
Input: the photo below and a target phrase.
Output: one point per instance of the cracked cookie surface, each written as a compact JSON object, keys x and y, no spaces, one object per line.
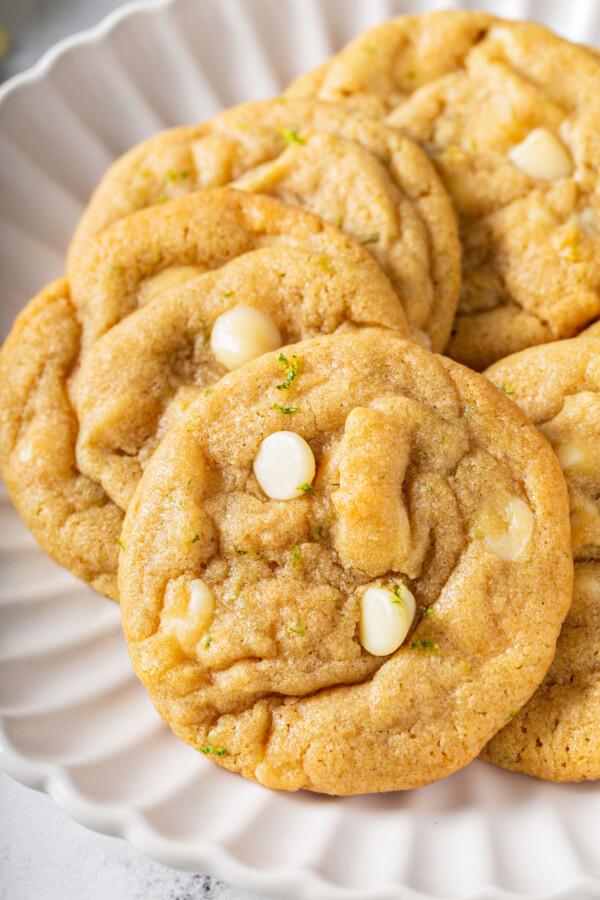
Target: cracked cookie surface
{"x":242,"y":612}
{"x":508,"y":113}
{"x":556,"y":735}
{"x":361,"y":175}
{"x":76,"y":428}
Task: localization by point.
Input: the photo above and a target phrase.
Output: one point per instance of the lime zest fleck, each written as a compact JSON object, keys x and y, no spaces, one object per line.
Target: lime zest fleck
{"x":417,"y":644}
{"x":298,"y":628}
{"x":171,"y":175}
{"x":162,"y":199}
{"x":291,"y":370}
{"x":307,"y":488}
{"x":120,"y":543}
{"x":296,"y":556}
{"x":291,"y":136}
{"x":208,"y":392}
{"x":195,"y":538}
{"x":372,"y":239}
{"x":208,"y":639}
{"x":286,"y":410}
{"x":506,"y":389}
{"x":476,"y":531}
{"x":209,"y":750}
{"x":229,"y":294}
{"x":427,"y":612}
{"x":338,"y":221}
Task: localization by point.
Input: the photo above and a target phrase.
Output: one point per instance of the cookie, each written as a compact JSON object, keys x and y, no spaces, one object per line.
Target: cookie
{"x":556,"y":736}
{"x":358,"y":174}
{"x":76,"y":429}
{"x":135,"y":259}
{"x":162,"y":355}
{"x":508,"y":113}
{"x":348,"y":594}
{"x":70,"y":516}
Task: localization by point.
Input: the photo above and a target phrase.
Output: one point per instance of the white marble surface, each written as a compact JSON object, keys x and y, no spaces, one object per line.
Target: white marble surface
{"x":43,"y":853}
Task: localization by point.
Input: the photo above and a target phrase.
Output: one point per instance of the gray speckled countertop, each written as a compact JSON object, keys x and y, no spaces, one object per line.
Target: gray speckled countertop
{"x":43,"y":853}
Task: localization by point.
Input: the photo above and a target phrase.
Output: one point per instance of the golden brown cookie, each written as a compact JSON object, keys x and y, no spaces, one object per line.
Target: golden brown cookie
{"x":158,"y":358}
{"x":508,"y":113}
{"x":361,"y":175}
{"x":556,"y":736}
{"x":266,"y":548}
{"x":70,"y":516}
{"x":137,"y":258}
{"x":75,"y":432}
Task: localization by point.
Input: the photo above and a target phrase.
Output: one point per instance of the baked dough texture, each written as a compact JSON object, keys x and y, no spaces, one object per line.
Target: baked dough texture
{"x":76,"y":429}
{"x":471,"y":88}
{"x":426,"y":476}
{"x":556,"y":736}
{"x":69,"y":515}
{"x":356,"y":173}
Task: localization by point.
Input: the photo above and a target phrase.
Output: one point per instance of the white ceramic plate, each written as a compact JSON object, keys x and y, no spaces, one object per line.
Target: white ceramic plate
{"x":75,"y":720}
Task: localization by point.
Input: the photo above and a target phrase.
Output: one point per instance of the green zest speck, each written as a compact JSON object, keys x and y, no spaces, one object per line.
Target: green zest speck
{"x":120,"y":543}
{"x":286,"y":410}
{"x":307,"y":488}
{"x":431,"y":646}
{"x":208,"y":639}
{"x":291,"y":136}
{"x":296,"y":556}
{"x":506,"y":389}
{"x":229,"y":294}
{"x":291,"y":370}
{"x":427,"y":612}
{"x":297,"y":628}
{"x":195,"y":538}
{"x":372,"y":239}
{"x":213,"y":751}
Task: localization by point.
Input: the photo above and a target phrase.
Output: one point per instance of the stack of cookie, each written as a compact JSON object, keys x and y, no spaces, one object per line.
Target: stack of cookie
{"x":343,"y":559}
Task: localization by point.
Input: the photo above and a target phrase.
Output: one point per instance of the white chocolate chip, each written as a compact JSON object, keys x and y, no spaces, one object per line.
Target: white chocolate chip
{"x":174,"y":276}
{"x":569,"y":454}
{"x":589,"y":221}
{"x":542,"y":155}
{"x":539,"y":215}
{"x":421,"y":337}
{"x":508,"y":532}
{"x":385,"y":619}
{"x":188,"y":629}
{"x":284,"y":463}
{"x":242,"y":334}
